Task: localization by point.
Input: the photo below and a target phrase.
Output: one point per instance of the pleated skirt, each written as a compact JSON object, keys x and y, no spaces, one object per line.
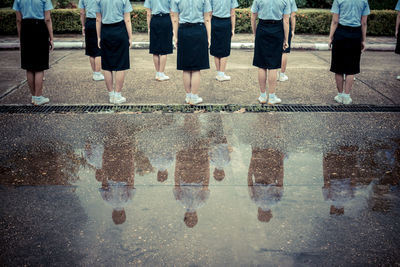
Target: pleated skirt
{"x":268,"y":45}
{"x":161,"y":35}
{"x":91,"y":46}
{"x":114,"y":45}
{"x":221,"y":34}
{"x":192,"y":47}
{"x":34,"y":45}
{"x":346,"y":50}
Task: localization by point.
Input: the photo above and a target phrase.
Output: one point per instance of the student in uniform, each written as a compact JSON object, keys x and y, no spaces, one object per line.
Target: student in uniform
{"x":88,"y":21}
{"x":192,"y":39}
{"x":347,"y":39}
{"x":159,"y":26}
{"x":222,"y":30}
{"x":35,"y":32}
{"x":292,"y":26}
{"x":114,"y":35}
{"x":271,"y":38}
{"x":397,"y":31}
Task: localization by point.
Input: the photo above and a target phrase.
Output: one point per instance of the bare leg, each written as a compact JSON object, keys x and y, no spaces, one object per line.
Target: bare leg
{"x":156,"y":61}
{"x":163,"y":62}
{"x":97,"y":62}
{"x":187,"y":76}
{"x":272,"y":81}
{"x":262,"y":79}
{"x":108,"y":77}
{"x":30,"y":76}
{"x":284,"y":62}
{"x":217,"y":63}
{"x":223,"y":62}
{"x":339,"y":82}
{"x":119,"y":80}
{"x":195,"y":82}
{"x":38,"y":83}
{"x":92,"y":61}
{"x":348,"y":84}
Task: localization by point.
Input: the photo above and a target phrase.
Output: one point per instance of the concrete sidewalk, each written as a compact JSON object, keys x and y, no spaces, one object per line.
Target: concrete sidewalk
{"x":239,"y":41}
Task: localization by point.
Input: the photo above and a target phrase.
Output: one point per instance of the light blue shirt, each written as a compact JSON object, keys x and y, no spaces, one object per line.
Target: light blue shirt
{"x":158,"y":6}
{"x":271,"y":9}
{"x":222,"y":8}
{"x":112,"y":11}
{"x":32,"y":9}
{"x":398,"y":6}
{"x":293,"y":6}
{"x":350,"y":11}
{"x":89,"y":6}
{"x":191,"y":11}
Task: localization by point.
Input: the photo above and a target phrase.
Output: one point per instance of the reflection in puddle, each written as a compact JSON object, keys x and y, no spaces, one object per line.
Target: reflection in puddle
{"x":177,"y":181}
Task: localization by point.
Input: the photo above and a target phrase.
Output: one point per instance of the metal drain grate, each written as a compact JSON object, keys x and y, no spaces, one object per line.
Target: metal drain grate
{"x":191,"y":109}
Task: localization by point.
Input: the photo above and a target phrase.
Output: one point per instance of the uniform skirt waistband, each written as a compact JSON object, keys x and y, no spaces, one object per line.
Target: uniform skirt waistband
{"x":188,"y":24}
{"x":116,"y":24}
{"x":218,"y":18}
{"x":349,"y":28}
{"x":269,"y":21}
{"x":161,"y":15}
{"x":91,"y":19}
{"x":32,"y":21}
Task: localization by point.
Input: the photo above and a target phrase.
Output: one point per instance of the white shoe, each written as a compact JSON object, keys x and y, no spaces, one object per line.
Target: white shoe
{"x":98,"y":77}
{"x":195,"y":101}
{"x":398,"y":77}
{"x":119,"y":99}
{"x":40,"y":101}
{"x":163,"y":78}
{"x":223,"y":78}
{"x":262,"y":99}
{"x":347,"y":100}
{"x":187,"y":99}
{"x":274,"y":100}
{"x":283,"y":77}
{"x":338,"y":98}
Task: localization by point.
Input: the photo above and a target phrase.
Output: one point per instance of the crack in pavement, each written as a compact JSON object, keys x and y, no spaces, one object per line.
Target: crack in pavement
{"x":365,"y":83}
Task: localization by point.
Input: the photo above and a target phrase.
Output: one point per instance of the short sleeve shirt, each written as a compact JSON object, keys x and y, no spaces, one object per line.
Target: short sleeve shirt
{"x":32,"y":9}
{"x":89,"y":6}
{"x":222,"y":8}
{"x":158,"y":6}
{"x":112,"y":11}
{"x":350,"y":11}
{"x":191,"y":11}
{"x":271,"y":9}
{"x":398,"y":6}
{"x":293,"y":6}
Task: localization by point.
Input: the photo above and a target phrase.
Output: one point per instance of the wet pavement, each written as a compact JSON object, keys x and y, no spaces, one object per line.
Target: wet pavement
{"x":275,"y":189}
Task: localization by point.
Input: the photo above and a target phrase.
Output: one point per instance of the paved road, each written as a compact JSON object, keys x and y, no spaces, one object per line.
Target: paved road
{"x":69,"y":80}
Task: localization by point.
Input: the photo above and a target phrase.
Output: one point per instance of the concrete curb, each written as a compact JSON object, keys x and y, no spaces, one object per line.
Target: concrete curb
{"x":145,"y":45}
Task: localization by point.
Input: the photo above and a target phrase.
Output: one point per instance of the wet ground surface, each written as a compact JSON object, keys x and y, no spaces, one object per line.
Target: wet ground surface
{"x":69,"y":80}
{"x":272,"y":189}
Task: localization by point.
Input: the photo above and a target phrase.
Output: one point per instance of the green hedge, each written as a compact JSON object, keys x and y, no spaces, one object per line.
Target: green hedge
{"x":311,"y":21}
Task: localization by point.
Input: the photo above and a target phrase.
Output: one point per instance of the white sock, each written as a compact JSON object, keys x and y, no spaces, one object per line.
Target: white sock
{"x":345,"y":95}
{"x":117,"y":94}
{"x":158,"y":74}
{"x":264,"y":94}
{"x":162,"y":74}
{"x":189,"y":95}
{"x":220,"y":73}
{"x":271,"y":95}
{"x":195,"y":96}
{"x":340,"y":94}
{"x":111,"y":94}
{"x":97,"y":73}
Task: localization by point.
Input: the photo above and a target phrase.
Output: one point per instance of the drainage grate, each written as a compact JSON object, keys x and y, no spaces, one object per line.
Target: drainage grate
{"x":191,"y":109}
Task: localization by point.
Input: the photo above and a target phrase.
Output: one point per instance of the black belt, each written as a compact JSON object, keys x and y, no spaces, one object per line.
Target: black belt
{"x":214,"y":17}
{"x":349,"y":28}
{"x":90,"y":18}
{"x":188,"y":24}
{"x":160,"y":15}
{"x":270,"y":21}
{"x":36,"y":21}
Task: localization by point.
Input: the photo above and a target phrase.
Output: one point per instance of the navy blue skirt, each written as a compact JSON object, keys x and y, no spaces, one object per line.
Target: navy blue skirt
{"x":221,"y":34}
{"x":287,"y":50}
{"x":91,"y":46}
{"x":34,"y":45}
{"x":268,"y":45}
{"x":192,"y":47}
{"x":161,"y":35}
{"x":398,"y":44}
{"x":346,"y":50}
{"x":114,"y":45}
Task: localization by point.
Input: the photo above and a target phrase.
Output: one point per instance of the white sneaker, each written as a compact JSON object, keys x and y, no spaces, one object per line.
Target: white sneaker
{"x":119,"y":99}
{"x":98,"y":77}
{"x":338,"y":98}
{"x":262,"y":99}
{"x":283,"y":77}
{"x":187,"y":99}
{"x":163,"y":78}
{"x":347,"y":100}
{"x":398,"y":77}
{"x":223,"y":78}
{"x":40,"y":101}
{"x":274,"y":100}
{"x":195,"y":101}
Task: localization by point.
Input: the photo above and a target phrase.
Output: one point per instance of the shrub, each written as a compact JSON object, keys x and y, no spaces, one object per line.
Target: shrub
{"x":245,"y":3}
{"x":6,"y":3}
{"x":311,"y":21}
